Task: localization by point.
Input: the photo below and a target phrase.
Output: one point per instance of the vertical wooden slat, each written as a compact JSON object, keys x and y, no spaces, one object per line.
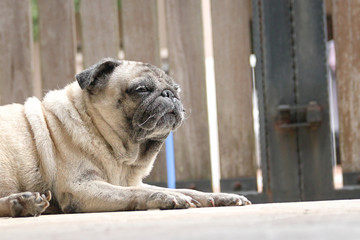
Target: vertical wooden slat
{"x":16,"y":51}
{"x":141,"y":43}
{"x":140,"y":31}
{"x":231,"y":44}
{"x":100,"y":31}
{"x":187,"y":66}
{"x":57,"y":42}
{"x":347,"y":38}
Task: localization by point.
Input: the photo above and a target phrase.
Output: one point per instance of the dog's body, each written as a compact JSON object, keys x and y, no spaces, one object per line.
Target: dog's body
{"x":92,"y":143}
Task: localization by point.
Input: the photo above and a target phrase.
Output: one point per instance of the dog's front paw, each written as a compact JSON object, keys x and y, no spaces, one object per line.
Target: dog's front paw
{"x":226,"y":199}
{"x":28,"y":203}
{"x":167,"y":200}
{"x":217,"y":199}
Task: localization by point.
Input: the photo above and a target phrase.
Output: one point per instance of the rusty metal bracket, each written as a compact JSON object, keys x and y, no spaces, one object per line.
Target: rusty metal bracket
{"x":300,"y":116}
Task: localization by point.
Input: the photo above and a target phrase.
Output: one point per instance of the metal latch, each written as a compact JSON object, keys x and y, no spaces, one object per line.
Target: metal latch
{"x":300,"y":116}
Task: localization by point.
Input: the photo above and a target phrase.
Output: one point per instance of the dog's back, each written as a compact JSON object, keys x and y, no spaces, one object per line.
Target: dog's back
{"x":18,"y":157}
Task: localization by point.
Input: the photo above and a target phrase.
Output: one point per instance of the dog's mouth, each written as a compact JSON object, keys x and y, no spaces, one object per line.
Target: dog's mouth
{"x":161,"y":115}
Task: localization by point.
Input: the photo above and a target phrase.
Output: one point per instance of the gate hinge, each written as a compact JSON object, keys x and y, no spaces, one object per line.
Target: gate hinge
{"x":300,"y":116}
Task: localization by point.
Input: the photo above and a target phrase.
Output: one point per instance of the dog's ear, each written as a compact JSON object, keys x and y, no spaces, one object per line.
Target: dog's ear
{"x":97,"y":75}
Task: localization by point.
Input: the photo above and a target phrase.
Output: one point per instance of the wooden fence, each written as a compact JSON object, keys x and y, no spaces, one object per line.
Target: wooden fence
{"x":102,"y":28}
{"x":140,"y":30}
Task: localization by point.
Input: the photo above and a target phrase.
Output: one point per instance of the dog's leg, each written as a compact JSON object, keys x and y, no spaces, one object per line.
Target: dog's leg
{"x":215,"y":199}
{"x":205,"y":199}
{"x":24,"y":204}
{"x":98,"y":196}
{"x":208,"y":199}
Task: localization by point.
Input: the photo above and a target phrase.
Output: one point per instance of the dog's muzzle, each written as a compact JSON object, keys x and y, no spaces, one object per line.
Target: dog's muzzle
{"x":166,"y":111}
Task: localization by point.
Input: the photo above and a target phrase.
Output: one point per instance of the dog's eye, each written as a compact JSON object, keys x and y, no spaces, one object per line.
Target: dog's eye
{"x":141,"y":89}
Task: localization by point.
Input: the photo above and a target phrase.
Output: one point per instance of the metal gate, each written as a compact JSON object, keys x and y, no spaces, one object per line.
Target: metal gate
{"x":291,"y":80}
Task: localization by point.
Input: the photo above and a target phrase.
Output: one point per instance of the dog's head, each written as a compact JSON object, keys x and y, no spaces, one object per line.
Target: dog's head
{"x":135,"y":97}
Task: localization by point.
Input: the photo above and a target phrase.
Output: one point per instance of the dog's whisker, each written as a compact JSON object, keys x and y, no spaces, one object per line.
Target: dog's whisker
{"x":142,"y":124}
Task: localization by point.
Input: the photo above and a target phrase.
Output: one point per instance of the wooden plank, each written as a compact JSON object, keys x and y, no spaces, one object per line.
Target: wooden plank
{"x":231,"y":44}
{"x":140,"y":31}
{"x":16,"y":51}
{"x":187,"y":66}
{"x":57,"y":42}
{"x":347,"y":36}
{"x":100,"y":31}
{"x":141,"y":43}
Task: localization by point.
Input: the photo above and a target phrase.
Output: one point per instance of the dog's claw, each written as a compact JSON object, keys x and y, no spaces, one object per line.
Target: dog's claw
{"x":244,"y":201}
{"x":28,"y":204}
{"x":48,"y":195}
{"x":196,"y":203}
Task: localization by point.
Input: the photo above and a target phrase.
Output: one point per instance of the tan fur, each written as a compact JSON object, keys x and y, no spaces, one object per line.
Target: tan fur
{"x":78,"y":146}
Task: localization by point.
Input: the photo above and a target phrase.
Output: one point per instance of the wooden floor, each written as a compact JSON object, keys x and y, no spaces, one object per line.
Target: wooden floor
{"x":307,"y":220}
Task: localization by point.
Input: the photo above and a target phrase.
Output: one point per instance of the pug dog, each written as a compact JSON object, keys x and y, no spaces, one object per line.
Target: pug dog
{"x":87,"y":147}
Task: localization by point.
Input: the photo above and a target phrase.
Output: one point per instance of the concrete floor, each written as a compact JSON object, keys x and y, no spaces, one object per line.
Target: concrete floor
{"x":307,"y":220}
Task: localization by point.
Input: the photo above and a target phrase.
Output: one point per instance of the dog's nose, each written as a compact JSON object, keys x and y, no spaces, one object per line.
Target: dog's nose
{"x":167,"y":94}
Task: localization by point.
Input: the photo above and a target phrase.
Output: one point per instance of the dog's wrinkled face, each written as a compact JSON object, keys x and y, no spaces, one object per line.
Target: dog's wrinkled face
{"x":135,"y":97}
